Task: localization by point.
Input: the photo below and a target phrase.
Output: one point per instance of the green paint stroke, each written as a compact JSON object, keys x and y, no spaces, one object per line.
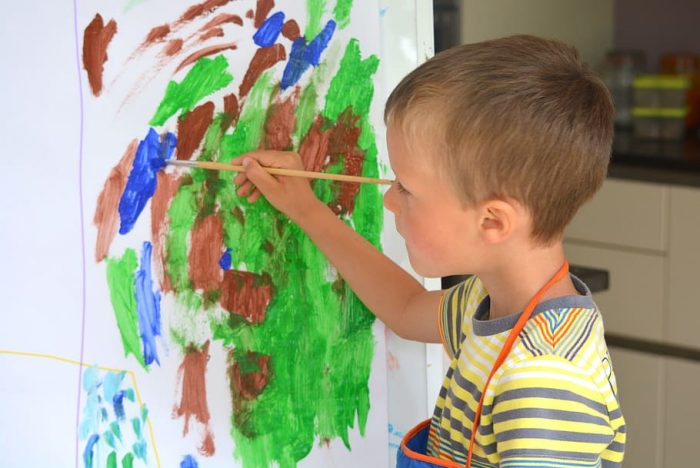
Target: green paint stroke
{"x":251,"y":124}
{"x":341,"y":13}
{"x":352,"y":86}
{"x":206,"y":77}
{"x":317,"y":332}
{"x":120,"y":278}
{"x":315,"y":9}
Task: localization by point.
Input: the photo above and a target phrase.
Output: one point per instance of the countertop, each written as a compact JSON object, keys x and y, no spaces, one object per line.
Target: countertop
{"x":665,"y":162}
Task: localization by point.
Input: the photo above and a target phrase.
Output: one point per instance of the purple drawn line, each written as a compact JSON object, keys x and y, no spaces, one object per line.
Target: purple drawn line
{"x":82,"y":230}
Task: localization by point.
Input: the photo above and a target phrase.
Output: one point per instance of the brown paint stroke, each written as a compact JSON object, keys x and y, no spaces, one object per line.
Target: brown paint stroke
{"x":223,"y":18}
{"x":250,"y":14}
{"x":201,"y":9}
{"x":262,"y":9}
{"x":231,"y":111}
{"x":167,"y":186}
{"x":156,"y":34}
{"x":214,"y":32}
{"x":206,"y":246}
{"x":248,"y":385}
{"x":280,"y":123}
{"x":314,"y":147}
{"x":191,"y":129}
{"x":246,"y":294}
{"x":173,"y":47}
{"x":203,"y":53}
{"x":107,"y":211}
{"x":343,"y":143}
{"x":193,"y":399}
{"x":96,"y":39}
{"x":290,"y":30}
{"x":264,"y":58}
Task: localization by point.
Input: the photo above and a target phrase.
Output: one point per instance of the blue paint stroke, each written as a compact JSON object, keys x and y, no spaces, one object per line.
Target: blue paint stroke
{"x":118,"y":404}
{"x":90,"y":423}
{"x":88,"y":454}
{"x":225,"y":260}
{"x":116,"y":430}
{"x":109,"y":438}
{"x":269,"y":31}
{"x":141,"y":185}
{"x":303,"y":56}
{"x":147,"y":306}
{"x":189,"y":462}
{"x":111,"y":384}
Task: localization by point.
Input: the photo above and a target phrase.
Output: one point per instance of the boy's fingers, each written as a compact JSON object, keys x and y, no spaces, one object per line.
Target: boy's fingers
{"x":254,"y":196}
{"x":240,"y":178}
{"x":258,"y":176}
{"x":269,"y":158}
{"x":245,"y":188}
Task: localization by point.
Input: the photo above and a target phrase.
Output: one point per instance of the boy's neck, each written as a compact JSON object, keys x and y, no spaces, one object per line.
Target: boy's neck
{"x":512,"y":283}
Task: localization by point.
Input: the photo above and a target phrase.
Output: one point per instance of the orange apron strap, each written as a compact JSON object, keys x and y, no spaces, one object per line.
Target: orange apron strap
{"x":508,"y":345}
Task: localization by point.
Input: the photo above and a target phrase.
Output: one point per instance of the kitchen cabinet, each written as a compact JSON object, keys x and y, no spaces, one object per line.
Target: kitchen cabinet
{"x":640,"y":385}
{"x":647,"y":235}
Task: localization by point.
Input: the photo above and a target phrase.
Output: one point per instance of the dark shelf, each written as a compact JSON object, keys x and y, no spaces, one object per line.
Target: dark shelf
{"x":666,"y":162}
{"x":596,"y":279}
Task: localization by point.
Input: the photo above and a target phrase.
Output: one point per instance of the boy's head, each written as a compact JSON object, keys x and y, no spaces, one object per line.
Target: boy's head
{"x":518,"y":117}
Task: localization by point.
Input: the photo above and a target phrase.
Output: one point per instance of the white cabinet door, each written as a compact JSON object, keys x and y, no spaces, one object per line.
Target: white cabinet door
{"x":682,"y":426}
{"x":640,"y":386}
{"x":684,"y":269}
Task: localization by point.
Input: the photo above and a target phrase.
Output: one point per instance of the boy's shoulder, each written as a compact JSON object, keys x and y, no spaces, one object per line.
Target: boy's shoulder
{"x":568,"y":332}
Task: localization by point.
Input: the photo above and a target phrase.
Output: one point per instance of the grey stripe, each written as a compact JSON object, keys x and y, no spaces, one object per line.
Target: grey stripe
{"x":484,"y":327}
{"x":556,"y":394}
{"x":461,"y":405}
{"x":549,"y":434}
{"x":610,"y":464}
{"x":558,"y":415}
{"x":524,"y":452}
{"x":617,"y":447}
{"x":616,"y":413}
{"x":467,"y":385}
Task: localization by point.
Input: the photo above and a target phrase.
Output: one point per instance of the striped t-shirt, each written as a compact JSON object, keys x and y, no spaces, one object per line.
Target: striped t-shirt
{"x":552,"y":403}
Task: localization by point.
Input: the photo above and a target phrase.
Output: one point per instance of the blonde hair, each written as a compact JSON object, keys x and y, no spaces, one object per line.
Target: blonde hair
{"x":519,"y":117}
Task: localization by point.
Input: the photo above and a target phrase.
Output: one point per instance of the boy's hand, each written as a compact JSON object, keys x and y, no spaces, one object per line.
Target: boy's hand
{"x":291,"y":195}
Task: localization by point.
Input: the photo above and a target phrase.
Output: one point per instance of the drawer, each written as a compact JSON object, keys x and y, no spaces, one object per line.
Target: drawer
{"x":634,"y":303}
{"x":624,"y":213}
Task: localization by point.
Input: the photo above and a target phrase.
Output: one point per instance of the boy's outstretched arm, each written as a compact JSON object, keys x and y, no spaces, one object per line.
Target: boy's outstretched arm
{"x":393,"y":295}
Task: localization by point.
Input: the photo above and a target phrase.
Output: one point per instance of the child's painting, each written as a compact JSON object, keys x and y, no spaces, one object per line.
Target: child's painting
{"x":213,"y":333}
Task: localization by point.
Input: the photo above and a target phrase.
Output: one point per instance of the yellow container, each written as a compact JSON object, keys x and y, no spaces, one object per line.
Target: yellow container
{"x":659,"y":123}
{"x":665,"y":91}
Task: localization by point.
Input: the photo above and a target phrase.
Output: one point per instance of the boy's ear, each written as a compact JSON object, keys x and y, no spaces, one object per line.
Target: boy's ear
{"x":497,"y":221}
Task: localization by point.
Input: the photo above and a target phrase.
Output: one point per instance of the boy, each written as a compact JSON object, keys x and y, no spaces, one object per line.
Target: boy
{"x":494,"y":146}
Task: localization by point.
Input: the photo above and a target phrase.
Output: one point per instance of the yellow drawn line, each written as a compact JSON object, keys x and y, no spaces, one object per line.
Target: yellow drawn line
{"x":102,"y":368}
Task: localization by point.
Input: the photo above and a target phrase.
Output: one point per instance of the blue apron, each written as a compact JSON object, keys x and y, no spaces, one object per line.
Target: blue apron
{"x":413,"y":450}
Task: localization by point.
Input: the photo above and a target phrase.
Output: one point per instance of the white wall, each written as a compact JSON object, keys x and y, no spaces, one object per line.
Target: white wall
{"x":586,"y":24}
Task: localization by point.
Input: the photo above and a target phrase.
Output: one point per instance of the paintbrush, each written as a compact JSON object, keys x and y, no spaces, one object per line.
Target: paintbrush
{"x":217,"y":166}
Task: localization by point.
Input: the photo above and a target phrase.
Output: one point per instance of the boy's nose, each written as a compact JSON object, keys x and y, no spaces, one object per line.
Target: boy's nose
{"x":389,"y":199}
